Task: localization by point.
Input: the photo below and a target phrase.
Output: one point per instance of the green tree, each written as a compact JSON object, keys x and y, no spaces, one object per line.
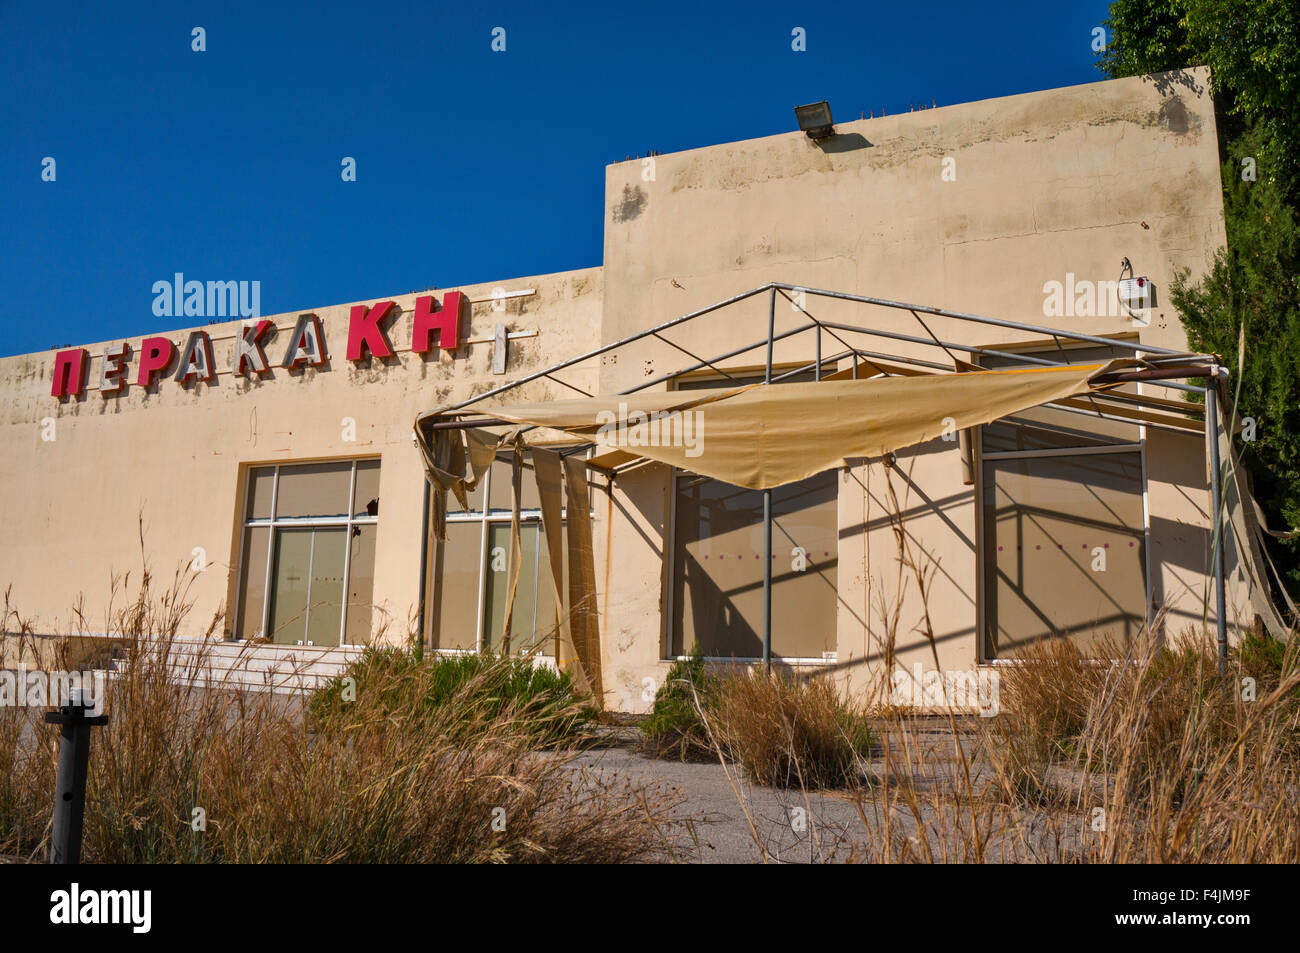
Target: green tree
{"x":1255,"y":284}
{"x":1253,"y":52}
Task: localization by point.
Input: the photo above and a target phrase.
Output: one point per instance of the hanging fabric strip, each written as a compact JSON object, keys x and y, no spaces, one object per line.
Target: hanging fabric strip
{"x":516,"y":551}
{"x":584,"y":621}
{"x":456,"y":461}
{"x":547,"y":468}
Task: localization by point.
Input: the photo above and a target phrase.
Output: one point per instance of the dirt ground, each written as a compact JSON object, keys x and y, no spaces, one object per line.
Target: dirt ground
{"x":723,"y":818}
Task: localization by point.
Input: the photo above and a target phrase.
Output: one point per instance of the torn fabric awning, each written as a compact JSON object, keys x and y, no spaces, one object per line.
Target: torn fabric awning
{"x":763,"y":436}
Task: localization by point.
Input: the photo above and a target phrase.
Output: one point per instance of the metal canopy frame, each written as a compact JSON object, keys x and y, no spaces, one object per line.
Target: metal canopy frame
{"x":1161,"y":367}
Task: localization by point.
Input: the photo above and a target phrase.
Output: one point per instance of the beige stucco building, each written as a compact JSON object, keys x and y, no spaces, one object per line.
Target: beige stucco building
{"x":977,"y":208}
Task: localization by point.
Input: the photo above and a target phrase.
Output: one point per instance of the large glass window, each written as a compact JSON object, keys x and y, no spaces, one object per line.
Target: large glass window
{"x":717,"y":594}
{"x":469,"y":579}
{"x":1063,"y":525}
{"x":716,"y":599}
{"x":307,"y":559}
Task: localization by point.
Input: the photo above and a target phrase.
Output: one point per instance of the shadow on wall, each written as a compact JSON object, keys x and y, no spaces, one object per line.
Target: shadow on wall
{"x":1179,"y":460}
{"x":848,"y":142}
{"x":630,"y":205}
{"x":1167,"y":84}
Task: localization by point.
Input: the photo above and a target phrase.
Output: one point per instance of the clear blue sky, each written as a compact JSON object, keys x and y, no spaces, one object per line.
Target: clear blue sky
{"x":471,"y":165}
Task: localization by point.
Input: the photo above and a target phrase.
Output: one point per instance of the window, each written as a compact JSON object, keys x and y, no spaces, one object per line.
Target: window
{"x":717,"y":594}
{"x":307,"y":558}
{"x":1064,"y":525}
{"x":716,"y":597}
{"x":469,"y":577}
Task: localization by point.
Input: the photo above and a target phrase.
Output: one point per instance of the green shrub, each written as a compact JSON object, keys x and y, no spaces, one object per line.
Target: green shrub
{"x":1266,"y":658}
{"x":486,"y":687}
{"x":674,"y":727}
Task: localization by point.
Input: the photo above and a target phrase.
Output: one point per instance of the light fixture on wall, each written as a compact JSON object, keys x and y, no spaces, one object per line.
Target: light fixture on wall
{"x":815,"y":120}
{"x":1136,"y":293}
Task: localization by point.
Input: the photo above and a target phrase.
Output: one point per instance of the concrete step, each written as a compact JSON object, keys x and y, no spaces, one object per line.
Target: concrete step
{"x":248,"y":666}
{"x":187,"y":646}
{"x":235,"y":680}
{"x":260,"y":661}
{"x":230,"y":681}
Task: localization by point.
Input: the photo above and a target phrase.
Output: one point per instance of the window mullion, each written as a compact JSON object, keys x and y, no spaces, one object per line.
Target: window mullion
{"x":482,"y":561}
{"x":347,"y":556}
{"x":270,"y":552}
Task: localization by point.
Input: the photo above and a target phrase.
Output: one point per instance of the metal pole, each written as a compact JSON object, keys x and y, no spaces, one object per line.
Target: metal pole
{"x":606,"y":348}
{"x":424,"y":572}
{"x":70,"y":782}
{"x":771,"y":288}
{"x":1220,"y":597}
{"x":767,"y":509}
{"x":980,"y":319}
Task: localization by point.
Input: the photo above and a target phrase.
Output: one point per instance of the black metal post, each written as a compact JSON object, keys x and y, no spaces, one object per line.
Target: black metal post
{"x":424,"y":571}
{"x":70,"y":783}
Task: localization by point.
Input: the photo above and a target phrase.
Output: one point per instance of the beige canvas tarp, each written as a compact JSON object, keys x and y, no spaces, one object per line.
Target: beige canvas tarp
{"x":762,"y":436}
{"x":581,"y":602}
{"x":573,"y":649}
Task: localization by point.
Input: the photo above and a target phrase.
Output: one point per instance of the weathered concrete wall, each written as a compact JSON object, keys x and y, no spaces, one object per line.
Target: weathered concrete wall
{"x":1038,"y":186}
{"x":1067,"y":180}
{"x":175,"y":458}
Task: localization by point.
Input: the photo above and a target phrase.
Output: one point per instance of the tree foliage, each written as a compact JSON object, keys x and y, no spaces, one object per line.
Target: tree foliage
{"x":1253,"y":51}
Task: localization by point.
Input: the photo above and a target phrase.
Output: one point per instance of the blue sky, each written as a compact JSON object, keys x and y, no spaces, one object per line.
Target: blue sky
{"x":472,"y":165}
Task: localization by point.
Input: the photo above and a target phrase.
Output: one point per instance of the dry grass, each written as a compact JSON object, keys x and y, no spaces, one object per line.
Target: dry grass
{"x":1147,"y":756}
{"x":789,"y":733}
{"x":366,"y":781}
{"x":1193,"y":769}
{"x":26,"y":760}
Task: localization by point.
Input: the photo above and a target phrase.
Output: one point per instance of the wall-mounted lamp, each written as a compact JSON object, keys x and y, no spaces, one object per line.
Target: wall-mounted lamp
{"x":815,"y":120}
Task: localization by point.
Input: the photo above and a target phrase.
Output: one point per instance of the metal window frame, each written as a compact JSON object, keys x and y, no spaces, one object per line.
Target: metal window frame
{"x":486,"y":517}
{"x":982,"y":597}
{"x":274,"y":523}
{"x":1031,"y":352}
{"x":786,"y":370}
{"x":670,"y":585}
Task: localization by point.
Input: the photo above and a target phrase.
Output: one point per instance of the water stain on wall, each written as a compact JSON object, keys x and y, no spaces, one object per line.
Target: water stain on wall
{"x":633,"y":203}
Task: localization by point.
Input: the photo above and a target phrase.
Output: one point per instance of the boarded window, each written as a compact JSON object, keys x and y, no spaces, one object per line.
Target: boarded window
{"x":1064,"y":553}
{"x":453,"y":586}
